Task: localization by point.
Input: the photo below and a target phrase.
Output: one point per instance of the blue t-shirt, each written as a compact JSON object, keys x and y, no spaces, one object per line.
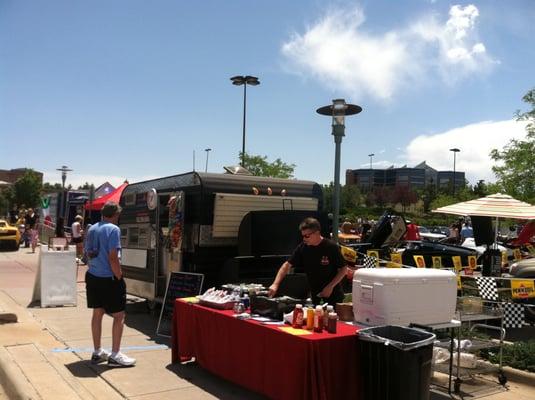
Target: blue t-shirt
{"x":102,"y":237}
{"x":467,"y":232}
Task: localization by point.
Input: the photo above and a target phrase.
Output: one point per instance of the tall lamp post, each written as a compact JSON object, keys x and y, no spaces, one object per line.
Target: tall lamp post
{"x":338,"y":110}
{"x":371,"y":159}
{"x":371,"y":172}
{"x":208,"y":150}
{"x":239,"y":80}
{"x":64,"y":169}
{"x":455,"y":151}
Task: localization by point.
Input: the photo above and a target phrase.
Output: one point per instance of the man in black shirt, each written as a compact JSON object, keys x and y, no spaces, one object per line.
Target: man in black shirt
{"x":322,"y":262}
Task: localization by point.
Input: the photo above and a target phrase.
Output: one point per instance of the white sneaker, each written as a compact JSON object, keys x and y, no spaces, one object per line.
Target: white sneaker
{"x":121,"y":360}
{"x":99,"y":356}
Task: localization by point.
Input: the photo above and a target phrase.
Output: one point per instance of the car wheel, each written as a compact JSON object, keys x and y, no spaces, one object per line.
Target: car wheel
{"x":15,"y":245}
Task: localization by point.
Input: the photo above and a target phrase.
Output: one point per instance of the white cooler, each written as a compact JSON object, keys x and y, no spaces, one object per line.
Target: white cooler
{"x":399,"y":296}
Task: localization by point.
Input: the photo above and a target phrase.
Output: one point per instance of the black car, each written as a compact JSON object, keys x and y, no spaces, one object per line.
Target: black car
{"x":388,"y":234}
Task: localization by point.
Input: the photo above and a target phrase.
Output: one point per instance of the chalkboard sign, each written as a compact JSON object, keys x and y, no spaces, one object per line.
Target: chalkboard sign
{"x":180,"y":285}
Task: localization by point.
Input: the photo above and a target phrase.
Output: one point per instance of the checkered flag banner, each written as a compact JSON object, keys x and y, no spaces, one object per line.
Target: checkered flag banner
{"x":487,"y":288}
{"x":513,"y":315}
{"x":369,"y":262}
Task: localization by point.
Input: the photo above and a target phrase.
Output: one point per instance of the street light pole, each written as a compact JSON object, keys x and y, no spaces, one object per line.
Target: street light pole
{"x":208,"y":150}
{"x":371,"y":158}
{"x":455,"y":151}
{"x":338,"y":110}
{"x":238,"y":81}
{"x":64,"y":169}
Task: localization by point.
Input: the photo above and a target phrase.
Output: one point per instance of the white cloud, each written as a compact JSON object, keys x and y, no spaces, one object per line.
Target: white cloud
{"x":342,"y":55}
{"x":475,"y":142}
{"x":76,"y":179}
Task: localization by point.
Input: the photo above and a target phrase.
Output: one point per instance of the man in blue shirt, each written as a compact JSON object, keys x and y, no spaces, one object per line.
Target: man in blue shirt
{"x":466,"y":231}
{"x":105,"y":287}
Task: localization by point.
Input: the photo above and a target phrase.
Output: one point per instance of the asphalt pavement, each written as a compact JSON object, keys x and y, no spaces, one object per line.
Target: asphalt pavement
{"x":46,"y":353}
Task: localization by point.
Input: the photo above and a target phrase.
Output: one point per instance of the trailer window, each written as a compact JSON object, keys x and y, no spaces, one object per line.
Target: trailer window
{"x":133,"y":236}
{"x":124,"y":236}
{"x":130,"y":199}
{"x":143,"y":238}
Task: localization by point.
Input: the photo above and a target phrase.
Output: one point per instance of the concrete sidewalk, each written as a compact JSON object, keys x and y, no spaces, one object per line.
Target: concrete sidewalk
{"x":45,"y":355}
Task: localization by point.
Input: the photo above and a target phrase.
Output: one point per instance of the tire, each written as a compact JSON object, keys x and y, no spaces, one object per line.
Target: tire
{"x":15,"y":245}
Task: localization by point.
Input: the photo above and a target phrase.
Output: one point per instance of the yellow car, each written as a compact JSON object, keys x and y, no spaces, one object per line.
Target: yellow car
{"x":9,"y":235}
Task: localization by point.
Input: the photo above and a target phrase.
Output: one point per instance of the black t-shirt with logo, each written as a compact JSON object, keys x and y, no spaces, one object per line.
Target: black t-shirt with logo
{"x":321,"y":264}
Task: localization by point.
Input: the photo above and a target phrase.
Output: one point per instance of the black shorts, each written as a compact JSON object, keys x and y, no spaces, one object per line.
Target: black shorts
{"x":77,"y":240}
{"x":106,"y":293}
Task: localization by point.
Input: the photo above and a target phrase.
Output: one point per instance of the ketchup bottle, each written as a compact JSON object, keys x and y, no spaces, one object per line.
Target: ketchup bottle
{"x":297,"y":321}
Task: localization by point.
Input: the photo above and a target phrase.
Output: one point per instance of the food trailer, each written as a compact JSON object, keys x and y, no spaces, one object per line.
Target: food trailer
{"x":190,"y":222}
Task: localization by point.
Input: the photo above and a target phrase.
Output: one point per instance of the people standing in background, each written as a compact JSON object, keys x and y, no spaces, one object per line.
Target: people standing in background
{"x":466,"y":231}
{"x":454,"y":234}
{"x":60,"y":227}
{"x":413,"y":232}
{"x":76,"y":231}
{"x":31,"y":224}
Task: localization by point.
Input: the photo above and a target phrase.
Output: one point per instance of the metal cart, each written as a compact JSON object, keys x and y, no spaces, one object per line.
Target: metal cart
{"x":467,"y":316}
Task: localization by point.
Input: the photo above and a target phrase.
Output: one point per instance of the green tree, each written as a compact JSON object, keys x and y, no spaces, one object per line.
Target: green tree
{"x":515,"y":170}
{"x":51,"y":188}
{"x":259,"y":166}
{"x":4,"y":202}
{"x":86,"y":186}
{"x":27,"y":189}
{"x":428,"y":194}
{"x":349,"y":198}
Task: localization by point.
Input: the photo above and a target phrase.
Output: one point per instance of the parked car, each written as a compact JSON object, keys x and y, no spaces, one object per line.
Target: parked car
{"x":444,"y":230}
{"x":387,"y":235}
{"x":426,"y":234}
{"x":9,"y":235}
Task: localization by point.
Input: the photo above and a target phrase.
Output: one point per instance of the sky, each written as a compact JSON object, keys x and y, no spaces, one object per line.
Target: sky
{"x":135,"y":90}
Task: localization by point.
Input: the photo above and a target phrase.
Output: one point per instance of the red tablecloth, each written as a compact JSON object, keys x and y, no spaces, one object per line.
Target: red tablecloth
{"x":265,"y":359}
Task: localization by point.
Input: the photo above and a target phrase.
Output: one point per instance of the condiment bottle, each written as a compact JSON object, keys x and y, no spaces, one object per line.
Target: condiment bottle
{"x":246,"y":301}
{"x":332,"y":322}
{"x":318,"y":319}
{"x":326,"y":313}
{"x":297,"y":321}
{"x":310,"y":318}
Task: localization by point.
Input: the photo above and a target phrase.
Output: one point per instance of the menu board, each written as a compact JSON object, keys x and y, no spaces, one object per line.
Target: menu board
{"x":180,"y":284}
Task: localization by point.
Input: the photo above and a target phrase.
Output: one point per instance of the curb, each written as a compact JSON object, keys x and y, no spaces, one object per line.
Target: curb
{"x":519,"y":376}
{"x":15,"y":384}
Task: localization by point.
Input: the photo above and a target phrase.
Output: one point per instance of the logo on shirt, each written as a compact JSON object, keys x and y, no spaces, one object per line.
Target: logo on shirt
{"x":324,"y":260}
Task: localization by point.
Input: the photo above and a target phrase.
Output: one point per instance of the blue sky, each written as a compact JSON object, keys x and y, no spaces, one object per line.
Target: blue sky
{"x":129,"y":89}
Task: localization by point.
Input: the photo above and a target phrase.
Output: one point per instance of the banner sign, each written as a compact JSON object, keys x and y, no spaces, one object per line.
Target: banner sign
{"x":395,"y":260}
{"x":375,"y":254}
{"x":419,"y":260}
{"x":472,"y":262}
{"x":457,"y":263}
{"x":522,"y":289}
{"x":437,"y":262}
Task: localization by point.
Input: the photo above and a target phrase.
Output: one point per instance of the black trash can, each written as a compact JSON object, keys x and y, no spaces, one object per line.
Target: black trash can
{"x":395,"y":363}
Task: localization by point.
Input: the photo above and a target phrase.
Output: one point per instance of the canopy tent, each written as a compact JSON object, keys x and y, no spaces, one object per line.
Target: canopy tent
{"x":115,"y":196}
{"x":496,"y":205}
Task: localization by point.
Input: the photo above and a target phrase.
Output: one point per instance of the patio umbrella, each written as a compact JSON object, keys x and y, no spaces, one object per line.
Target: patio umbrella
{"x":496,"y":205}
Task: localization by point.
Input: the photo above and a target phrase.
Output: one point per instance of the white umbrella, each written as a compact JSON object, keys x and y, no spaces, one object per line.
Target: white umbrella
{"x":496,"y":205}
